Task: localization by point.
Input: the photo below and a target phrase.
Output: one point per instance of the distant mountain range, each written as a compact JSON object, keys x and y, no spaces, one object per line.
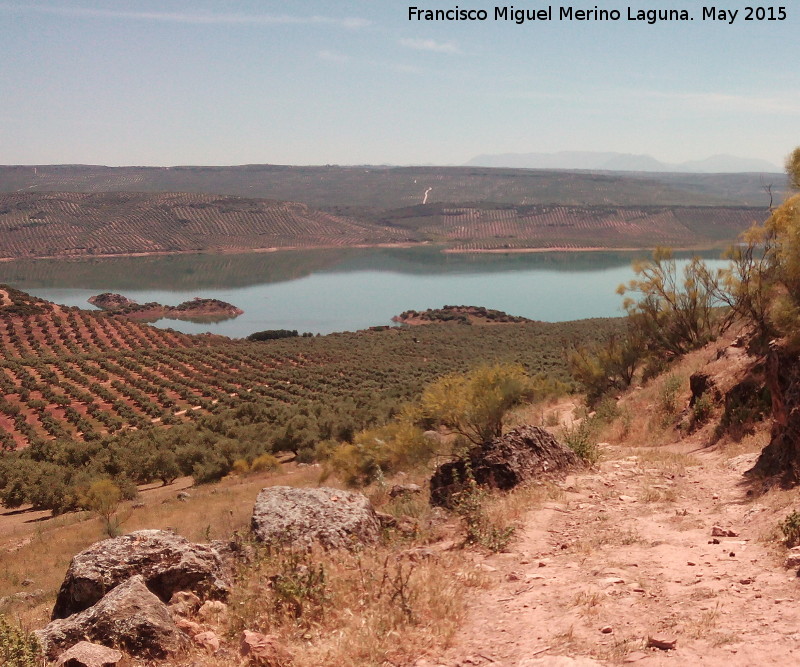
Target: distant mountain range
{"x":716,"y":164}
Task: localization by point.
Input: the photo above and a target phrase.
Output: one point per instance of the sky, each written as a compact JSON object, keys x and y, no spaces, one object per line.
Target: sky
{"x":224,"y":82}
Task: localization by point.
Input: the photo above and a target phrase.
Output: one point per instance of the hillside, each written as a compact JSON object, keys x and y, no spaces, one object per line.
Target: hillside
{"x":662,"y":552}
{"x":105,"y":224}
{"x":70,"y":373}
{"x":386,"y":188}
{"x":70,"y":224}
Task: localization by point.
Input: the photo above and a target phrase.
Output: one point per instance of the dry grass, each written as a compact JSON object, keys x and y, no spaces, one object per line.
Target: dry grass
{"x":380,"y":606}
{"x":46,"y":547}
{"x":508,"y":509}
{"x":610,"y":536}
{"x":653,"y":493}
{"x":665,"y":462}
{"x":704,"y":624}
{"x":589,"y":601}
{"x":374,"y":608}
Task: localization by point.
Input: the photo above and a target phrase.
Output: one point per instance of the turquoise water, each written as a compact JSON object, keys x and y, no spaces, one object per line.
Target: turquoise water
{"x":326,"y":291}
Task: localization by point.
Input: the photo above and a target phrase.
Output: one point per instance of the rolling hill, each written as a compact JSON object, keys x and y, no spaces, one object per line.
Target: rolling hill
{"x":386,"y":188}
{"x":107,"y":224}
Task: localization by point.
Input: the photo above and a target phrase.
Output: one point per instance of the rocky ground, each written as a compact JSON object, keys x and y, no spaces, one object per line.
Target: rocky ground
{"x":626,"y":566}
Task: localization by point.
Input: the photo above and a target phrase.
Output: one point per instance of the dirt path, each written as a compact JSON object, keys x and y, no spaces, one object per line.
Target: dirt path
{"x":627,"y":553}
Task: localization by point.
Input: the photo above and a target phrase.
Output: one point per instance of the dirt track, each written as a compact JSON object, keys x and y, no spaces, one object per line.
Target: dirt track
{"x":627,"y":553}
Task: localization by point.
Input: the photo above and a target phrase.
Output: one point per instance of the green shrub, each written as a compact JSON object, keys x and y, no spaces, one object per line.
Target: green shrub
{"x":790,"y":527}
{"x":701,"y":410}
{"x":469,"y":505}
{"x":17,"y":647}
{"x":388,"y":449}
{"x":299,"y":588}
{"x":668,"y":397}
{"x":581,"y":439}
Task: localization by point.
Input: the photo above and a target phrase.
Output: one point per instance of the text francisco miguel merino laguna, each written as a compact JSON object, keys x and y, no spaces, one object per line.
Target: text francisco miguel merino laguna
{"x":568,"y":13}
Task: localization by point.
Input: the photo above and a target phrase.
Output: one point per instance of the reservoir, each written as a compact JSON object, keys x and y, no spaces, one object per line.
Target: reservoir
{"x":322,"y":291}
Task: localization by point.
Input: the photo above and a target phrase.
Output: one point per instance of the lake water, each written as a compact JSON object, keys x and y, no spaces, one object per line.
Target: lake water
{"x":341,"y":290}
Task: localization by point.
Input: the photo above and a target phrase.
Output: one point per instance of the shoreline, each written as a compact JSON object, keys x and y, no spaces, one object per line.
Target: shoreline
{"x":361,"y":246}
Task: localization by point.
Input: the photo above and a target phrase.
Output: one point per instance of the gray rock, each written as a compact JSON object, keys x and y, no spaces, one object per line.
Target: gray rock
{"x":129,"y":617}
{"x":86,"y":654}
{"x":331,"y":518}
{"x":168,"y":563}
{"x":404,"y":490}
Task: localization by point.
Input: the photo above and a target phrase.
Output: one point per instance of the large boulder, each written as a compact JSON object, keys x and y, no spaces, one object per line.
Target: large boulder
{"x":329,"y":517}
{"x":130,"y":617}
{"x":526,"y":453}
{"x":168,"y":563}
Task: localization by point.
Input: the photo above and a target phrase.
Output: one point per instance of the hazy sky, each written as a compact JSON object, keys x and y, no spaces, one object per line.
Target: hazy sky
{"x":354,"y":81}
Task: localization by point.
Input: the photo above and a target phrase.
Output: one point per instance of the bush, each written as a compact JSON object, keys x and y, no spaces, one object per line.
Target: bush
{"x":790,"y":527}
{"x":397,"y":446}
{"x":668,"y":397}
{"x":701,"y":410}
{"x":102,"y":498}
{"x":473,"y":405}
{"x":675,"y":314}
{"x":17,"y":647}
{"x":469,"y":505}
{"x":265,"y":463}
{"x":601,"y":367}
{"x":581,"y":440}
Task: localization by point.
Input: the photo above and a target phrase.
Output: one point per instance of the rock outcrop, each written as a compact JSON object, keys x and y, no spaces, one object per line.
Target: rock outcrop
{"x":780,"y":459}
{"x":129,"y":617}
{"x":166,"y":561}
{"x":331,"y":518}
{"x":525,"y":453}
{"x":702,"y":383}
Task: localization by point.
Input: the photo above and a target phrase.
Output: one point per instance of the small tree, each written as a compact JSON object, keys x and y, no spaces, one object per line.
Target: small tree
{"x":473,"y":405}
{"x":675,"y":314}
{"x":601,"y":367}
{"x":765,"y":278}
{"x":163,"y":465}
{"x":103,"y":498}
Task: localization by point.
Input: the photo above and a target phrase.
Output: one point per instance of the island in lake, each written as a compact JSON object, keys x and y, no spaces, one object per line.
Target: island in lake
{"x":196,"y":310}
{"x":457,"y":315}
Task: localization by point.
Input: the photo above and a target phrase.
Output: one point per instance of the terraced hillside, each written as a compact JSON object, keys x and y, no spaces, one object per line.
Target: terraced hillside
{"x":605,"y":227}
{"x":379,"y":189}
{"x":79,"y":375}
{"x":65,"y":224}
{"x":102,"y":224}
